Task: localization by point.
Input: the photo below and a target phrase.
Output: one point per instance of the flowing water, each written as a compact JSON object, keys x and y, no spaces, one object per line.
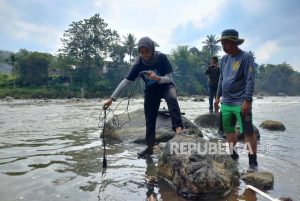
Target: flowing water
{"x":51,"y":150}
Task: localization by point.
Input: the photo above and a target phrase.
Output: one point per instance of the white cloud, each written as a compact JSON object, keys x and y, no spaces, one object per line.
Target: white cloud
{"x":25,"y":30}
{"x":266,"y":51}
{"x":38,"y":25}
{"x":157,"y":18}
{"x":21,"y":30}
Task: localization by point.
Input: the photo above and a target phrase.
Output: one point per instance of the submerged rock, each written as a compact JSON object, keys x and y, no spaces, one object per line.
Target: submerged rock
{"x":132,"y":127}
{"x":198,"y":99}
{"x":197,"y":175}
{"x":272,"y":125}
{"x":8,"y":98}
{"x":259,"y":179}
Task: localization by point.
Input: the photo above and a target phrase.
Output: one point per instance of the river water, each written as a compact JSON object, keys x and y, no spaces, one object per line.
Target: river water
{"x":51,"y":150}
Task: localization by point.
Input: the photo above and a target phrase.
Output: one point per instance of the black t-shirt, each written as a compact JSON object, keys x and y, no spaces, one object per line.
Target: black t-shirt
{"x":213,"y":75}
{"x":161,"y":68}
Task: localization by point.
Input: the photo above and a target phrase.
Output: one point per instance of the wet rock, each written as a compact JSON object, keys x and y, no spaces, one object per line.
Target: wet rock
{"x":197,"y":175}
{"x":198,"y":99}
{"x":47,"y":100}
{"x":75,"y":100}
{"x":259,"y":179}
{"x":209,"y":120}
{"x":8,"y":98}
{"x":131,"y":127}
{"x":272,"y":125}
{"x":285,"y":199}
{"x":181,"y":98}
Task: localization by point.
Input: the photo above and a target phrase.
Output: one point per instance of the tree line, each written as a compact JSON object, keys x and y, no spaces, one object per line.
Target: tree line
{"x":81,"y":65}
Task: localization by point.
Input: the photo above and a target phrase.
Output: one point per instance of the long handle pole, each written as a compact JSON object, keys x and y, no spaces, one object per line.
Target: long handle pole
{"x":104,"y":164}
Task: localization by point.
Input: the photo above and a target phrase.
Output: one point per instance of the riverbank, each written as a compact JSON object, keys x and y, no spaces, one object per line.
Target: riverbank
{"x":67,"y":93}
{"x":50,"y":93}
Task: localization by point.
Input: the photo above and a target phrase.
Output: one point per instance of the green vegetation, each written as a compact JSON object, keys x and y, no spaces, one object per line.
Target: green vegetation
{"x":81,"y":69}
{"x":276,"y":79}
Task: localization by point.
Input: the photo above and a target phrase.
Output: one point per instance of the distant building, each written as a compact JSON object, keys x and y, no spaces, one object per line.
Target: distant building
{"x":106,"y":65}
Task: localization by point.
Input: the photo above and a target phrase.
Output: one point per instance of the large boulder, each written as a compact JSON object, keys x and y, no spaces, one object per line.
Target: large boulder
{"x":132,"y":127}
{"x":208,"y":120}
{"x":197,"y":175}
{"x":259,"y":179}
{"x":272,"y":125}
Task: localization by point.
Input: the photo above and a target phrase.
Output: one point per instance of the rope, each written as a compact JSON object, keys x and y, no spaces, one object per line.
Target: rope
{"x":115,"y":120}
{"x":104,"y":164}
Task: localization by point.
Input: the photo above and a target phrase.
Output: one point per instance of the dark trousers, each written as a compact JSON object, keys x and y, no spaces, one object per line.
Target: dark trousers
{"x":212,"y":92}
{"x":151,"y":107}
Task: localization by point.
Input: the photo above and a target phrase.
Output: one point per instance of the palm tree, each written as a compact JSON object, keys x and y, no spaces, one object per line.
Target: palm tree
{"x":211,"y":45}
{"x":12,"y":59}
{"x":130,"y":44}
{"x":255,"y":64}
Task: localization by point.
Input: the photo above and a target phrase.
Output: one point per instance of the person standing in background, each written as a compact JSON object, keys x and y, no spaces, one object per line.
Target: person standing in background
{"x":213,"y":73}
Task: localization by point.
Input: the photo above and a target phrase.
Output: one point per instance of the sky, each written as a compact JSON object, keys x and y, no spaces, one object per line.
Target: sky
{"x":271,"y":28}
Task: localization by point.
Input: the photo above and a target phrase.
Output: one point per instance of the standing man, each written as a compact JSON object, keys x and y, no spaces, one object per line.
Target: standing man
{"x":236,"y":87}
{"x":213,"y":72}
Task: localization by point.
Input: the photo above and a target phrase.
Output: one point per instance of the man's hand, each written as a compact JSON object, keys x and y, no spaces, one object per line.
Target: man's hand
{"x":216,"y":104}
{"x":246,"y":107}
{"x":107,"y":104}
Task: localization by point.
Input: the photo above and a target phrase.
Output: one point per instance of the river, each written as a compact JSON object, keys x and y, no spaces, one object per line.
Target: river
{"x":51,"y":150}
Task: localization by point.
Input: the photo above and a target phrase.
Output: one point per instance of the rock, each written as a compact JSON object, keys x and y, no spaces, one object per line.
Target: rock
{"x":272,"y":125}
{"x":197,"y":175}
{"x":8,"y":98}
{"x":181,"y":98}
{"x":75,"y":100}
{"x":209,"y":120}
{"x":281,"y":94}
{"x":259,"y":179}
{"x":132,"y":128}
{"x":198,"y":99}
{"x":47,"y":100}
{"x":285,"y":199}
